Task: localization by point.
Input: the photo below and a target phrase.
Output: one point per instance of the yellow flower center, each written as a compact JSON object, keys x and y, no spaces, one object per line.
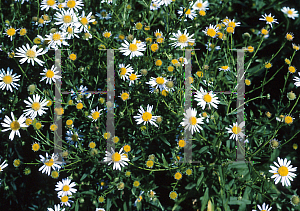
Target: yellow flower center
{"x":202,"y":13}
{"x":49,"y":74}
{"x":84,"y":21}
{"x":103,"y":14}
{"x":123,"y":71}
{"x":231,"y":24}
{"x":64,"y":199}
{"x":116,"y":157}
{"x":132,"y":77}
{"x":283,"y":171}
{"x":121,"y":36}
{"x":71,"y":3}
{"x":264,"y":31}
{"x":211,"y":32}
{"x":127,"y":148}
{"x":154,"y":47}
{"x":269,"y":19}
{"x":188,"y":12}
{"x":67,"y":18}
{"x":31,"y":53}
{"x":69,"y":30}
{"x":11,"y":32}
{"x":106,"y":135}
{"x":149,"y":163}
{"x":35,"y":147}
{"x":250,"y":49}
{"x":49,"y":162}
{"x":36,"y":106}
{"x":173,"y":195}
{"x":178,"y":176}
{"x":107,"y":34}
{"x":69,"y":122}
{"x":292,"y":69}
{"x":92,"y":145}
{"x":50,"y":2}
{"x":66,"y":188}
{"x":236,"y":130}
{"x":247,"y":82}
{"x":146,"y":116}
{"x":207,"y":98}
{"x":160,"y":40}
{"x":289,"y":37}
{"x":160,"y":80}
{"x":204,"y":114}
{"x":41,"y":21}
{"x":73,"y":57}
{"x":133,"y":47}
{"x":139,"y":26}
{"x":15,"y":125}
{"x":193,"y":120}
{"x":181,"y":143}
{"x":74,"y":137}
{"x":182,"y":38}
{"x":38,"y":125}
{"x":157,"y":34}
{"x":79,"y":106}
{"x":199,"y":5}
{"x":230,"y":29}
{"x":7,"y":79}
{"x":53,"y":127}
{"x":23,"y":32}
{"x":170,"y":69}
{"x":56,"y":37}
{"x":136,"y":183}
{"x":290,"y":12}
{"x":124,"y":96}
{"x":288,"y":120}
{"x":96,"y":115}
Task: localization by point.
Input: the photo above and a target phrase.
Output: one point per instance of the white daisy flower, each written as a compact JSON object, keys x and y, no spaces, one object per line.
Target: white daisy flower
{"x":49,"y":163}
{"x":133,"y":49}
{"x":7,"y":79}
{"x":211,"y":31}
{"x":133,"y":77}
{"x":224,"y":68}
{"x":56,"y":39}
{"x":65,"y":200}
{"x":182,"y":40}
{"x":117,"y":158}
{"x":47,"y":4}
{"x":297,"y":80}
{"x":73,"y":137}
{"x":103,"y":15}
{"x":200,"y":5}
{"x":164,"y":2}
{"x":100,"y":209}
{"x":283,"y":172}
{"x":203,"y":97}
{"x":231,"y":23}
{"x":71,"y":32}
{"x":56,"y":208}
{"x":84,"y":21}
{"x":13,"y":125}
{"x":10,"y":32}
{"x":154,"y":5}
{"x":190,"y":13}
{"x":269,"y":19}
{"x":158,"y":33}
{"x":50,"y":75}
{"x":66,"y":18}
{"x":159,"y":82}
{"x":290,"y":12}
{"x":36,"y":107}
{"x":3,"y":165}
{"x":87,"y":36}
{"x":74,"y":5}
{"x":146,"y":116}
{"x":125,"y":71}
{"x":30,"y":54}
{"x":264,"y":207}
{"x":107,"y":1}
{"x":22,"y":1}
{"x":211,"y":46}
{"x":65,"y":188}
{"x":95,"y":114}
{"x":124,"y":96}
{"x":191,"y":122}
{"x":236,"y":130}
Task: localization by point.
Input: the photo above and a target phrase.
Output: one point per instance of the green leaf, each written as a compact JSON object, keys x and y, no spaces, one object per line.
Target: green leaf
{"x":203,"y":149}
{"x":199,"y":181}
{"x":77,"y":206}
{"x":83,"y":177}
{"x":190,"y":186}
{"x":165,"y":140}
{"x":205,"y":199}
{"x":164,"y":160}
